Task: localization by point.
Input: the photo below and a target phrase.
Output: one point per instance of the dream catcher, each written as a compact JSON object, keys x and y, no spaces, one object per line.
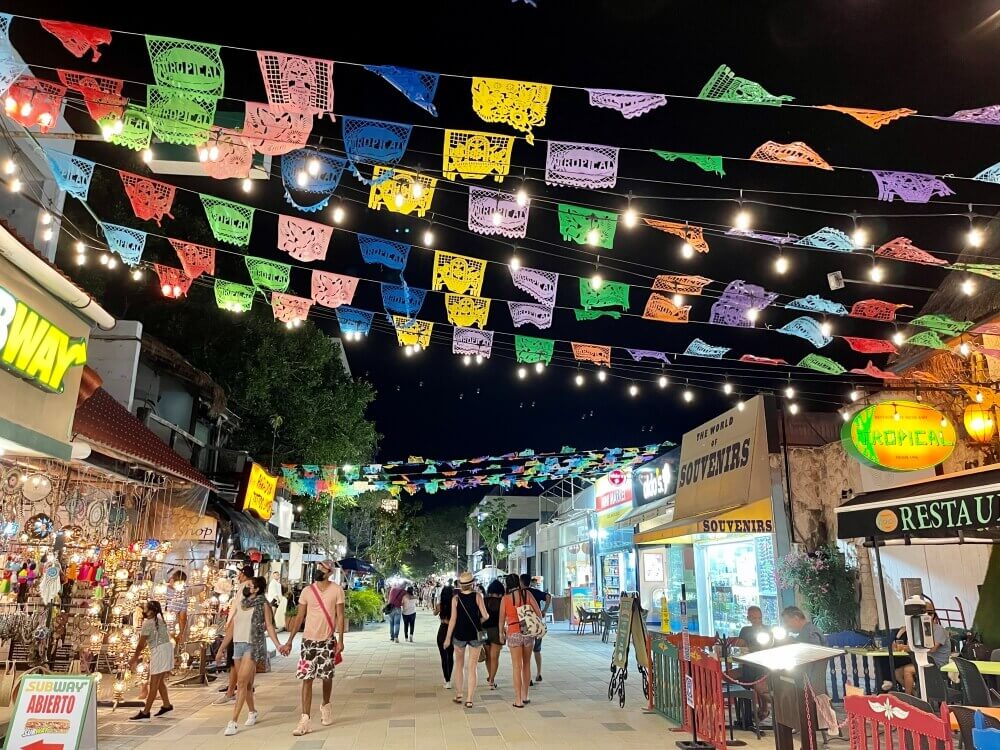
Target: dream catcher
{"x":39,"y":526}
{"x":75,"y":506}
{"x":36,"y":488}
{"x":11,"y":485}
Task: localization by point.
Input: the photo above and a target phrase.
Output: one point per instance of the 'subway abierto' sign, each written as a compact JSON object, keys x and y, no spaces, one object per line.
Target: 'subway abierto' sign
{"x":899,"y":436}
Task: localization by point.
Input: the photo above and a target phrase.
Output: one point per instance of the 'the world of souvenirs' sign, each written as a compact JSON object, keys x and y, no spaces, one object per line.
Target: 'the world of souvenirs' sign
{"x":899,"y":436}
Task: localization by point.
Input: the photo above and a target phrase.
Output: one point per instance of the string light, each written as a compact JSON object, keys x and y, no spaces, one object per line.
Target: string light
{"x":793,"y":408}
{"x":81,"y":247}
{"x":399,"y":200}
{"x":633,"y":390}
{"x":854,"y":395}
{"x":118,"y":127}
{"x":45,"y":119}
{"x":895,"y":414}
{"x":898,"y":338}
{"x":213,"y":153}
{"x":247,"y":184}
{"x":15,"y":185}
{"x":593,"y":236}
{"x":944,"y":422}
{"x":678,"y":300}
{"x":789,"y":391}
{"x":25,"y":109}
{"x":47,"y":234}
{"x":103,"y":259}
{"x":727,"y":388}
{"x":522,"y":196}
{"x":662,"y":381}
{"x":781,"y":264}
{"x":312,"y":166}
{"x":338,"y":214}
{"x":687,"y":251}
{"x":479,"y":358}
{"x":515,"y":263}
{"x":497,"y":218}
{"x":522,"y":373}
{"x":740,"y":405}
{"x":596,"y":281}
{"x":112,"y":263}
{"x":752,"y":314}
{"x":578,"y":379}
{"x":202,"y":154}
{"x":601,"y":374}
{"x":630,"y":217}
{"x":979,"y":397}
{"x":137,"y":275}
{"x":107,"y":133}
{"x":539,"y":367}
{"x":46,"y":218}
{"x":844,"y":414}
{"x":81,"y":259}
{"x":826,"y":328}
{"x":975,"y":237}
{"x":876,"y":274}
{"x":302,"y":178}
{"x":9,"y":167}
{"x":968,"y":287}
{"x":428,"y":236}
{"x":859,"y":238}
{"x":147,"y":155}
{"x":417,"y":189}
{"x":963,"y":349}
{"x":466,"y":360}
{"x":742,"y":220}
{"x":688,"y":395}
{"x":408,"y":350}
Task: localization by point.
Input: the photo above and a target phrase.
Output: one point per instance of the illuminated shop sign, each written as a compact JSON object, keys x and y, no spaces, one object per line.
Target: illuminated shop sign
{"x":899,"y":436}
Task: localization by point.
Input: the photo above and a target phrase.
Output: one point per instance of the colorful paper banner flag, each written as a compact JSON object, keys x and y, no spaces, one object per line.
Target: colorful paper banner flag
{"x":458,"y":273}
{"x":180,"y":117}
{"x":821,"y":364}
{"x":310,"y":170}
{"x":629,"y":103}
{"x":353,"y":320}
{"x":874,"y":372}
{"x":303,"y":240}
{"x":267,"y":274}
{"x":726,"y":86}
{"x":870,"y":346}
{"x":186,"y":66}
{"x":815,"y":303}
{"x":698,"y":348}
{"x":680,"y":284}
{"x":374,"y":141}
{"x":471,"y":342}
{"x":705,"y":162}
{"x":136,"y":129}
{"x":466,"y":311}
{"x":101,"y":95}
{"x":494,"y":212}
{"x":875,"y":309}
{"x":692,"y":235}
{"x":598,"y":355}
{"x":333,"y":289}
{"x":475,"y":155}
{"x":807,"y":328}
{"x":195,"y":259}
{"x":912,"y":187}
{"x":410,"y":332}
{"x":541,"y":285}
{"x":873,"y":118}
{"x":234,"y":297}
{"x":990,"y":174}
{"x":235,"y":155}
{"x":521,"y":105}
{"x":662,"y":309}
{"x":929,"y":339}
{"x":275,"y":130}
{"x":753,"y":359}
{"x":78,"y":38}
{"x":385,"y":253}
{"x":401,"y":191}
{"x":585,"y":315}
{"x":418,"y":86}
{"x":530,"y":350}
{"x":128,"y":243}
{"x":288,"y":308}
{"x":230,"y":222}
{"x":983,"y":115}
{"x":72,"y":173}
{"x":828,"y":238}
{"x":992,"y":329}
{"x":300,"y":84}
{"x":577,"y":222}
{"x":583,"y":165}
{"x":402,"y":299}
{"x":524,"y":313}
{"x":795,"y":154}
{"x":174,"y":283}
{"x":640,"y":354}
{"x":610,"y":294}
{"x":902,"y":248}
{"x":45,"y":99}
{"x":774,"y":239}
{"x":989,"y":270}
{"x":151,"y":200}
{"x":11,"y":68}
{"x":942,"y":323}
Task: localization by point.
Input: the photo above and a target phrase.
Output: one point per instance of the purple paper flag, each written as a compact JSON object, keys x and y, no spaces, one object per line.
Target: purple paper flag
{"x":729,"y":314}
{"x":471,"y":341}
{"x":582,"y":165}
{"x":629,"y":103}
{"x":541,"y":285}
{"x":496,"y":212}
{"x":640,"y":354}
{"x":983,"y":115}
{"x":912,"y":187}
{"x":748,"y":295}
{"x":778,"y":239}
{"x":522,"y":313}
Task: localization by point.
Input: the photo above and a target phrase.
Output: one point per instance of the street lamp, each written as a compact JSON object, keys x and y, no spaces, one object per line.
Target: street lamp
{"x":500,"y":547}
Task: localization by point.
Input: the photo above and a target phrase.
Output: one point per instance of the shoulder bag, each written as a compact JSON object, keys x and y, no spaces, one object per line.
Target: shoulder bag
{"x":532,"y":625}
{"x":338,"y":657}
{"x":481,"y":635}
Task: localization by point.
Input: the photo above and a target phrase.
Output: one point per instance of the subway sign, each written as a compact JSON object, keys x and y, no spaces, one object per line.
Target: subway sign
{"x":34,"y":348}
{"x":899,"y":436}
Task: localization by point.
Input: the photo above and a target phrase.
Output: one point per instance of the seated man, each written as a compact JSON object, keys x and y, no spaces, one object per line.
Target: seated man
{"x":802,"y":630}
{"x":748,"y":672}
{"x":938,"y":654}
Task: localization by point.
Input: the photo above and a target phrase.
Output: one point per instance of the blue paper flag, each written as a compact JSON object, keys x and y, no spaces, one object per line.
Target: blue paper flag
{"x":11,"y":69}
{"x":353,"y":320}
{"x":806,"y":328}
{"x":374,"y":141}
{"x":5,"y":19}
{"x":828,"y":238}
{"x":418,"y":86}
{"x":127,"y":242}
{"x":384,"y":252}
{"x":815,"y":303}
{"x":72,"y":173}
{"x":402,"y":299}
{"x":310,"y":170}
{"x":699,"y":348}
{"x":311,"y":208}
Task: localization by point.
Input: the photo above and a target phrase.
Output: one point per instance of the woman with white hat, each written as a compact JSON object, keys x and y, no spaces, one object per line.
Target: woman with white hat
{"x":465,"y":630}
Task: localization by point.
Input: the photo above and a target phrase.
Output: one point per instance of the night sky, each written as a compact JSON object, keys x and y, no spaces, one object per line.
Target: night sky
{"x":930,"y":56}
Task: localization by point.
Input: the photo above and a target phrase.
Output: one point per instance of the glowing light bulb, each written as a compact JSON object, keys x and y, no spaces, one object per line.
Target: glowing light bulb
{"x":313,"y":167}
{"x":515,"y":263}
{"x":944,"y":422}
{"x":417,"y":189}
{"x":25,"y":109}
{"x":479,"y":359}
{"x":631,"y":218}
{"x":979,"y":397}
{"x":740,"y":406}
{"x":136,"y":275}
{"x":727,"y":388}
{"x":177,"y":290}
{"x":596,"y":281}
{"x":896,"y":417}
{"x":854,"y":395}
{"x":466,"y":360}
{"x":47,"y":234}
{"x":752,"y":314}
{"x":593,"y":237}
{"x":898,"y":338}
{"x":45,"y":119}
{"x":166,"y":290}
{"x":103,"y":259}
{"x":602,"y":375}
{"x":428,"y":238}
{"x":522,"y":197}
{"x":876,"y":274}
{"x":147,"y":155}
{"x":15,"y":185}
{"x":522,"y":373}
{"x":497,"y":218}
{"x":9,"y":167}
{"x":81,"y":259}
{"x":202,"y":154}
{"x":793,"y":408}
{"x":46,"y":218}
{"x":80,"y":246}
{"x":118,"y":127}
{"x":408,"y":350}
{"x":399,"y":200}
{"x":338,"y":215}
{"x":781,"y":264}
{"x":963,"y":349}
{"x":789,"y":392}
{"x":688,"y":395}
{"x":213,"y":153}
{"x":859,"y":238}
{"x":742,"y":220}
{"x":687,"y":251}
{"x":633,"y":390}
{"x":974,"y":237}
{"x":968,"y":287}
{"x":247,"y":184}
{"x":662,"y":381}
{"x":112,"y":263}
{"x":579,"y":379}
{"x":107,"y":133}
{"x":301,"y":178}
{"x":678,"y":300}
{"x":826,"y":328}
{"x":844,"y":415}
{"x":539,"y":367}
{"x":10,"y":104}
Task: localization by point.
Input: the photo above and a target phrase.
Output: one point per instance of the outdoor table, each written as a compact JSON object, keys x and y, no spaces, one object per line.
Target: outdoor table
{"x":985,"y":667}
{"x":989,"y":711}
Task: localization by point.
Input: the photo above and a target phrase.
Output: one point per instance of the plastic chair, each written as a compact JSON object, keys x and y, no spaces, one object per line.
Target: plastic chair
{"x":966,"y":718}
{"x":986,"y":732}
{"x":916,"y":703}
{"x":610,"y":623}
{"x":938,"y":691}
{"x":974,"y":690}
{"x":995,"y":655}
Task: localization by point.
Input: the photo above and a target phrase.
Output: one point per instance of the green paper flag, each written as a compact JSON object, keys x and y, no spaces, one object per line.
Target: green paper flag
{"x":726,"y":86}
{"x":180,"y":117}
{"x":233,"y":297}
{"x":610,"y":294}
{"x":942,"y":324}
{"x":990,"y":270}
{"x":231,"y":222}
{"x":821,"y":364}
{"x":576,"y":223}
{"x":595,"y":314}
{"x":705,"y":161}
{"x":530,"y":350}
{"x":929,"y":339}
{"x":137,"y":131}
{"x":267,"y":274}
{"x":189,"y":66}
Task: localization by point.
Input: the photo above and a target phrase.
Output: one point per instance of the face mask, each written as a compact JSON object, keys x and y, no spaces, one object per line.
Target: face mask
{"x":246,"y":592}
{"x":319,"y":575}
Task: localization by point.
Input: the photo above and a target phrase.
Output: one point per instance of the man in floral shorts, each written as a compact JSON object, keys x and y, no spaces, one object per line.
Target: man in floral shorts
{"x":321,"y":605}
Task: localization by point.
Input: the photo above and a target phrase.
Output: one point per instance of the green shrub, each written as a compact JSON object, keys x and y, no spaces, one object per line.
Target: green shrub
{"x":363,"y":605}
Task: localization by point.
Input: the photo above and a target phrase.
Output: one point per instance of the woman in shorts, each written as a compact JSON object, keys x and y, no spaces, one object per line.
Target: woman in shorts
{"x":520,"y":645}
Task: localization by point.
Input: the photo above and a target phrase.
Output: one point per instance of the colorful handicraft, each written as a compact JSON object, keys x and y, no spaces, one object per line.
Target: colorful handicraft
{"x":661,"y":308}
{"x":136,"y":128}
{"x":195,"y":259}
{"x":186,"y":66}
{"x":410,"y":332}
{"x":796,"y":154}
{"x":530,"y":350}
{"x":629,"y":103}
{"x":929,"y":339}
{"x":828,"y":238}
{"x":912,"y":187}
{"x":230,"y":222}
{"x":418,"y":86}
{"x":471,"y":342}
{"x":902,"y":248}
{"x":942,"y":323}
{"x":752,"y":234}
{"x":705,"y":162}
{"x":333,"y":289}
{"x":310,"y":170}
{"x":78,"y":38}
{"x":458,"y":273}
{"x":352,"y":320}
{"x":101,"y":95}
{"x":874,"y":372}
{"x":989,"y":270}
{"x":467,"y":311}
{"x":44,"y":97}
{"x":521,"y":105}
{"x":302,"y":84}
{"x":374,"y":141}
{"x":640,"y":354}
{"x":383,"y":252}
{"x":585,"y":315}
{"x":267,"y":274}
{"x":234,"y":297}
{"x":496,"y":212}
{"x":275,"y":130}
{"x":692,"y":235}
{"x":288,"y":308}
{"x":807,"y":328}
{"x":990,"y":174}
{"x":72,"y":173}
{"x":173,"y":282}
{"x":235,"y":155}
{"x":875,"y":309}
{"x":726,"y":86}
{"x":599,"y":355}
{"x":737,"y":299}
{"x":303,"y":240}
{"x":698,"y":348}
{"x":541,"y":285}
{"x":582,"y":165}
{"x":983,"y":115}
{"x":402,"y":299}
{"x":180,"y":117}
{"x":524,"y":313}
{"x":576,"y":224}
{"x":870,"y":346}
{"x":873,"y":118}
{"x":401,"y":191}
{"x":680,"y":284}
{"x":991,"y":329}
{"x":128,"y":243}
{"x":474,"y":155}
{"x":753,"y":359}
{"x":821,"y":364}
{"x":815,"y":303}
{"x":11,"y":67}
{"x":610,"y":294}
{"x":150,"y":199}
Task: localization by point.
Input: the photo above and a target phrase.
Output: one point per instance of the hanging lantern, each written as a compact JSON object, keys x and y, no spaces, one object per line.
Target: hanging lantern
{"x":979,"y":423}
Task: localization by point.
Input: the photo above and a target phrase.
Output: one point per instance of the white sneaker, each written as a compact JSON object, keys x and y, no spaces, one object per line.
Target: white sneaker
{"x":223,"y":699}
{"x":447,"y":685}
{"x":302,"y":727}
{"x":230,"y":729}
{"x":251,"y":719}
{"x":326,"y":714}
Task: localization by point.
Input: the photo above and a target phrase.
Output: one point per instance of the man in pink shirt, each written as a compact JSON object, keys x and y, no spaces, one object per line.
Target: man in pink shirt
{"x":321,"y":605}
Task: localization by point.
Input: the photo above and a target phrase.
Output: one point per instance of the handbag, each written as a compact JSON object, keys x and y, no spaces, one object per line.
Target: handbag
{"x":337,"y":658}
{"x":531,"y":624}
{"x":481,"y":635}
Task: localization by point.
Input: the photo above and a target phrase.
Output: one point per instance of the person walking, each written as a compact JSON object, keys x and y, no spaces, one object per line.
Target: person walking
{"x":443,"y":611}
{"x":321,"y":607}
{"x":409,"y":612}
{"x":246,"y":631}
{"x":155,"y":634}
{"x":395,"y":604}
{"x":543,"y":599}
{"x":494,"y":600}
{"x":468,"y":613}
{"x":520,"y":645}
{"x":244,"y":575}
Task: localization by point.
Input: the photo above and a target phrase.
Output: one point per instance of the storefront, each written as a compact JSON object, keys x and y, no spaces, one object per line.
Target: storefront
{"x":615,"y":548}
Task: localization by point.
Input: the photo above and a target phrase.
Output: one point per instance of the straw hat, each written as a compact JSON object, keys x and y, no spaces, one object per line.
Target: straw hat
{"x":465,"y":581}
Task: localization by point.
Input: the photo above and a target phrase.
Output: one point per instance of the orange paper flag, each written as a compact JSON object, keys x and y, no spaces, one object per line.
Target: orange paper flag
{"x":873,"y":118}
{"x":690,"y":234}
{"x":795,"y":154}
{"x":660,"y":308}
{"x":599,"y":355}
{"x":680,"y":284}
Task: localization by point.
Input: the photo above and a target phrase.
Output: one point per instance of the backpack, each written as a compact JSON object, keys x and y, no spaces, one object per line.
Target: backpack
{"x":531,"y":624}
{"x":974,"y":649}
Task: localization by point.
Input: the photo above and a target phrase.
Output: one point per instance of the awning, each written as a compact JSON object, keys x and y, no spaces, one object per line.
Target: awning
{"x":248,"y":532}
{"x":754,"y":518}
{"x":644,"y":513}
{"x":964,"y":506}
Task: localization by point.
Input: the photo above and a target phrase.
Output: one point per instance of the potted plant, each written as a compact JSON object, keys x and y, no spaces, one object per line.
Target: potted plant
{"x":826,"y":583}
{"x":362,"y":605}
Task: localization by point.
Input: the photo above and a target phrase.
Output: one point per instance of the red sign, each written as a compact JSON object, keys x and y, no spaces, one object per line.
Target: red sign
{"x":612,"y":490}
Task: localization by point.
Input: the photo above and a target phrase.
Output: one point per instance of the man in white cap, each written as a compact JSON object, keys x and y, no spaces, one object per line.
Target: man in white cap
{"x":321,"y":606}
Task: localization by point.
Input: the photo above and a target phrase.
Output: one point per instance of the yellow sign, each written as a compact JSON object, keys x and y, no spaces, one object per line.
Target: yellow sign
{"x":34,"y":348}
{"x":899,"y":436}
{"x":754,"y":518}
{"x":258,"y":492}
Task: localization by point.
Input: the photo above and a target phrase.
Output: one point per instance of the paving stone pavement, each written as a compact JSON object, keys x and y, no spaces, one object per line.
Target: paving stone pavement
{"x":390,"y":696}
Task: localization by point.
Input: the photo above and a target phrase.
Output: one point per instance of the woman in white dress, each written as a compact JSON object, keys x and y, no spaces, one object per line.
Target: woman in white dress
{"x":156,"y":635}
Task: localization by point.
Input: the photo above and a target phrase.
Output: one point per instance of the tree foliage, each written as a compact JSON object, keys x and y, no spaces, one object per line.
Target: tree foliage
{"x":490,"y":521}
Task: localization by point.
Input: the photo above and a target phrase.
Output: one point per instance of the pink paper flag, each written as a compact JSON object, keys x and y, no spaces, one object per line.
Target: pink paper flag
{"x":333,"y":289}
{"x":288,"y":308}
{"x":276,"y":130}
{"x":303,"y":84}
{"x":303,"y":240}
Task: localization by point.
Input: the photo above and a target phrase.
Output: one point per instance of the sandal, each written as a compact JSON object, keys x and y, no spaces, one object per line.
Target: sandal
{"x":457,"y":699}
{"x":517,"y":706}
{"x":468,"y":704}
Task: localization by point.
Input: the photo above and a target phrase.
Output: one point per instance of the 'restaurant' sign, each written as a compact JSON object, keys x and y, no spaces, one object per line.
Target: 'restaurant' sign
{"x":259,"y":489}
{"x":899,"y":436}
{"x":975,"y":514}
{"x":613,"y":489}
